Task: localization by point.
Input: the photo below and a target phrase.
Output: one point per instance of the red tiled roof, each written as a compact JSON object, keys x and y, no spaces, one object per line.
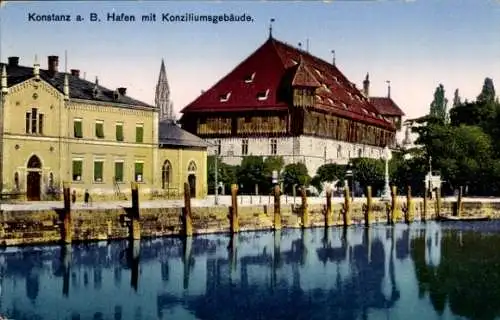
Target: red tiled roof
{"x":276,"y":65}
{"x":386,"y":106}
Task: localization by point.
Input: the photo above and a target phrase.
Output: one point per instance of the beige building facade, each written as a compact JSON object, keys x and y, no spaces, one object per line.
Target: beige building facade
{"x":57,"y":127}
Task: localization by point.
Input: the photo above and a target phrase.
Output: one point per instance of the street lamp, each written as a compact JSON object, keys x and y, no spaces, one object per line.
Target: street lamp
{"x":216,"y":158}
{"x":348,"y":175}
{"x":386,"y":195}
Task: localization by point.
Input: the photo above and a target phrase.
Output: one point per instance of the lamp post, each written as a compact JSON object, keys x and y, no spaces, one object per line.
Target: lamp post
{"x":216,"y":199}
{"x":386,"y":195}
{"x":348,"y":175}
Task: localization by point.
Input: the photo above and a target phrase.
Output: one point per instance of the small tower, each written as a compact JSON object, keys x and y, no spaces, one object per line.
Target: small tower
{"x":4,"y":80}
{"x":36,"y":68}
{"x":162,"y":96}
{"x":388,"y":88}
{"x":66,"y":87}
{"x":366,"y":86}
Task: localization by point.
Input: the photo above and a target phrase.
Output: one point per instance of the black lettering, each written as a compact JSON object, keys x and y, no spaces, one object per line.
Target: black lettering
{"x":94,"y":17}
{"x":79,"y":18}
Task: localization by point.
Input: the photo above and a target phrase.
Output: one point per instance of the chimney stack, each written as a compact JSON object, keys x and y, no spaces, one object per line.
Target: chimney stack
{"x":13,"y":61}
{"x":75,"y":72}
{"x":122,"y":91}
{"x":53,"y":64}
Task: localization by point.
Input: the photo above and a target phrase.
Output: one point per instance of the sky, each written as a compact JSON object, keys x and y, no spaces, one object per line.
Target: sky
{"x":414,"y":44}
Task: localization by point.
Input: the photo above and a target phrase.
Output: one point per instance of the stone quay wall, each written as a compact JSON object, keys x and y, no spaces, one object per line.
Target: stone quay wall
{"x":29,"y":226}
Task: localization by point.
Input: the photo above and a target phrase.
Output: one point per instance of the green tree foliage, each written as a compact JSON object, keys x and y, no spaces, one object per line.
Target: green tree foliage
{"x":369,"y":172}
{"x":295,"y":174}
{"x":456,"y":99}
{"x":439,"y":105}
{"x":487,"y":94}
{"x":226,"y":174}
{"x":250,"y":173}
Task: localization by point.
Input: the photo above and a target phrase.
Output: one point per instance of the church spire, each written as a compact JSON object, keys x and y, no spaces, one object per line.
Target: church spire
{"x":162,"y":96}
{"x":271,"y":28}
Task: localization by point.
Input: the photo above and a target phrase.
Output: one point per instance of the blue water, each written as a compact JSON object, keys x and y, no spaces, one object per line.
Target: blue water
{"x":425,"y":271}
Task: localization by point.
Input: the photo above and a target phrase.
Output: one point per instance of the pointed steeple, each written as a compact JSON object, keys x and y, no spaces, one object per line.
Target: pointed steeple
{"x":366,"y":86}
{"x":162,"y":96}
{"x":388,"y":88}
{"x":4,"y":80}
{"x":271,"y":27}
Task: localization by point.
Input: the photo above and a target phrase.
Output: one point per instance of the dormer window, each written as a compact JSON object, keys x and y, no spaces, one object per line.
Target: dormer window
{"x":345,"y":106}
{"x":335,"y":79}
{"x":294,"y":62}
{"x":319,"y":98}
{"x":364,"y":110}
{"x":326,"y":87}
{"x":319,"y":73}
{"x":261,"y":96}
{"x":116,"y":94}
{"x":225,"y":97}
{"x":249,"y":78}
{"x":95,"y":92}
{"x":350,"y":95}
{"x":331,"y":101}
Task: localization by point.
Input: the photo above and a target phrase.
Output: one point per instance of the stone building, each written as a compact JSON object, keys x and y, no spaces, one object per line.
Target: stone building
{"x":283,"y":101}
{"x":56,"y":126}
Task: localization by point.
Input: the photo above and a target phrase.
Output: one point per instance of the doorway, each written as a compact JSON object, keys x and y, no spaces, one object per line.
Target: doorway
{"x":33,"y":183}
{"x":192,"y":185}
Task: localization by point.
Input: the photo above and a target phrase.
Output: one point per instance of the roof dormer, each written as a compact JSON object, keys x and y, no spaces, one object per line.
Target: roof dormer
{"x":225,"y":97}
{"x":263,"y":95}
{"x":249,"y":78}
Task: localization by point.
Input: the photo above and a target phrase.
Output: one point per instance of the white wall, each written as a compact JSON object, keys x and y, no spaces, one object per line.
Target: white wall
{"x":305,"y":149}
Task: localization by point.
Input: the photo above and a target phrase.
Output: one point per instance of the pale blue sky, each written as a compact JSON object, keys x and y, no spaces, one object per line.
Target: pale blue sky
{"x":416,"y":45}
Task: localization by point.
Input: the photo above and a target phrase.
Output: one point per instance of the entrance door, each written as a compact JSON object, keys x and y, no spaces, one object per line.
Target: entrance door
{"x":33,"y":186}
{"x":192,"y":185}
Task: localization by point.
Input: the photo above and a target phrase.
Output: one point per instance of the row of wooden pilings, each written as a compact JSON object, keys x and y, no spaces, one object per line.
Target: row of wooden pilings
{"x":132,"y":217}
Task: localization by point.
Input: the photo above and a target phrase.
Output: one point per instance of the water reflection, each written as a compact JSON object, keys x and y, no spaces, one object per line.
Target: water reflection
{"x":334,"y":273}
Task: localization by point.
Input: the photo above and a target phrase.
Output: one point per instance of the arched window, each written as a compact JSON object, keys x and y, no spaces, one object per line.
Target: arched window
{"x":51,"y":180}
{"x":192,"y":167}
{"x":34,"y":163}
{"x":166,"y":174}
{"x":16,"y":180}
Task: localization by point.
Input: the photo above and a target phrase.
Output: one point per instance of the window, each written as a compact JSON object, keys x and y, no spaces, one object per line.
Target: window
{"x":77,"y":128}
{"x":119,"y":131}
{"x":77,"y":169}
{"x":118,"y":171}
{"x":166,"y":174}
{"x":98,"y":169}
{"x":139,"y":133}
{"x":138,"y":171}
{"x":16,"y":181}
{"x":249,"y":78}
{"x":225,"y":97}
{"x":34,"y":121}
{"x":244,"y":147}
{"x":274,"y":146}
{"x":99,"y":129}
{"x":261,"y":96}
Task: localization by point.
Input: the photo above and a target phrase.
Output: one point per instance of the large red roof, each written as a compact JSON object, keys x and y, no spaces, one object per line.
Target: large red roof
{"x":256,"y":82}
{"x":386,"y":106}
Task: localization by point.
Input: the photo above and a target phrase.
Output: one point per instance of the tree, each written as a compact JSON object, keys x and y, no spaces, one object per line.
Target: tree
{"x":369,"y":172}
{"x":487,"y":94}
{"x":456,"y":99}
{"x":226,"y":174}
{"x":251,"y":173}
{"x":295,"y":174}
{"x":438,"y":108}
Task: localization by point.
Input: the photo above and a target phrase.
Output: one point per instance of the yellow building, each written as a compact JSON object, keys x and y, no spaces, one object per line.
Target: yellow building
{"x":56,"y":127}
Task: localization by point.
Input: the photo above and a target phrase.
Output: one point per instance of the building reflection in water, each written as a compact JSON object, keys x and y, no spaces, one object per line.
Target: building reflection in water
{"x":335,"y":273}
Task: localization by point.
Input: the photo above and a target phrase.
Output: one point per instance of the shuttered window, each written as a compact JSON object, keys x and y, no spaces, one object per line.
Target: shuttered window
{"x":139,"y":133}
{"x":119,"y":132}
{"x":77,"y":170}
{"x":139,"y":166}
{"x":98,"y":170}
{"x":99,"y":129}
{"x":118,"y":171}
{"x":77,"y":128}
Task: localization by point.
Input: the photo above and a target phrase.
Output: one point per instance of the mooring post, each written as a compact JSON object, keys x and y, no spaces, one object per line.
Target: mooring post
{"x":368,"y":208}
{"x":328,"y":211}
{"x":394,"y":203}
{"x":187,"y":219}
{"x":305,"y":213}
{"x":424,"y":209}
{"x":277,"y":213}
{"x":135,"y":226}
{"x":409,"y":206}
{"x":235,"y":225}
{"x":67,"y":229}
{"x":438,"y":202}
{"x":459,"y":202}
{"x":346,"y":211}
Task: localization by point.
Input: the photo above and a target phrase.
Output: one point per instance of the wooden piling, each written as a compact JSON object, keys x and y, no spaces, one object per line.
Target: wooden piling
{"x":394,"y":203}
{"x":424,"y":209}
{"x":438,"y":202}
{"x":234,"y":221}
{"x":135,"y":226}
{"x":346,"y":211}
{"x":277,"y":213}
{"x":409,"y":206}
{"x":305,"y":213}
{"x":67,"y":229}
{"x":187,"y":219}
{"x":369,"y":206}
{"x":328,"y":211}
{"x":458,"y":211}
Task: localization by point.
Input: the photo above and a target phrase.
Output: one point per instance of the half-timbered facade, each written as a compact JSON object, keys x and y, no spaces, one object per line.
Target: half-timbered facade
{"x":284,"y":101}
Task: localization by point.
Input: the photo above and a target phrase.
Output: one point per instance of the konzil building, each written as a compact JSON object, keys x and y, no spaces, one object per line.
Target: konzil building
{"x":56,"y":126}
{"x":283,"y":101}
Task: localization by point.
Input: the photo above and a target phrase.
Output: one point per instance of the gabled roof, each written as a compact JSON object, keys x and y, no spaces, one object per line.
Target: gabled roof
{"x":171,"y":134}
{"x":386,"y":106}
{"x":78,"y":88}
{"x":276,"y":65}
